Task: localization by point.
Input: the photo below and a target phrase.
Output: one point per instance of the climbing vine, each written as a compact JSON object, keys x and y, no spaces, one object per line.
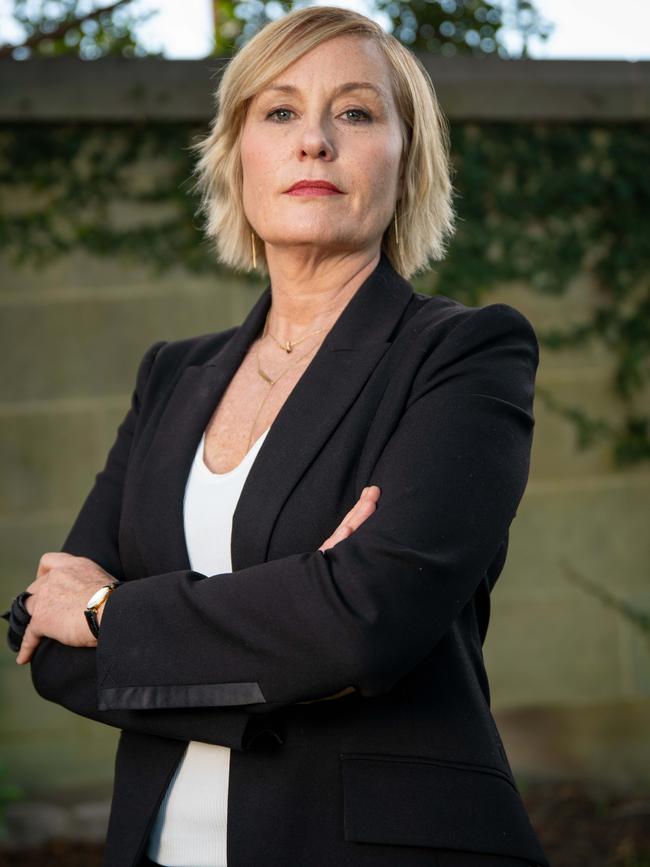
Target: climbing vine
{"x":538,"y":203}
{"x":542,"y":204}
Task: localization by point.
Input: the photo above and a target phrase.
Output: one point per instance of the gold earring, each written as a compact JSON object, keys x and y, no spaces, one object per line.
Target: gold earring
{"x":253,"y":249}
{"x":396,"y":229}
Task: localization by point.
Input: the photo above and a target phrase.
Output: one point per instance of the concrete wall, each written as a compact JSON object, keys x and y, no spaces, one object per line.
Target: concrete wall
{"x":570,"y":678}
{"x":72,"y":336}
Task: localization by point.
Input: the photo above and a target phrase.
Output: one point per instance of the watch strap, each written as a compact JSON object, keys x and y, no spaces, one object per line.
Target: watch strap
{"x":91,"y":613}
{"x":91,"y":618}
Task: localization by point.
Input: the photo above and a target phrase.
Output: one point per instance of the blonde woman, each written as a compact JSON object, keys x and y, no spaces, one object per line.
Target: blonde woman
{"x":279,"y":585}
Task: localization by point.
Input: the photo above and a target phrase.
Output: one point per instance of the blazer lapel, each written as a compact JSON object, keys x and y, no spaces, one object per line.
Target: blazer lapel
{"x":335,"y":376}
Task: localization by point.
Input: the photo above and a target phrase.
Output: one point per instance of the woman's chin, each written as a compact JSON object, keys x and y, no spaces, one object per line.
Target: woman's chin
{"x":314,"y":239}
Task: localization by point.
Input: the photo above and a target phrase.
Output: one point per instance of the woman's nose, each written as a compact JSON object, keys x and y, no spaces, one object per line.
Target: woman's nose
{"x":315,"y":141}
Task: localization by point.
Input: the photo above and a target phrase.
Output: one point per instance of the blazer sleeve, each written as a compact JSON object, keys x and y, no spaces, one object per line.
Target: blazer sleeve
{"x":68,"y":675}
{"x":366,"y":611}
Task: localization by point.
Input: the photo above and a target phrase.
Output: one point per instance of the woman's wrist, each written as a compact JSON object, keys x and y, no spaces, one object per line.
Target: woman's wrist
{"x":95,"y":608}
{"x":100,"y":611}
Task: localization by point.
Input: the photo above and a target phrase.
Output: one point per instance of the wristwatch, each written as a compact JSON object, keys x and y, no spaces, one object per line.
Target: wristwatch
{"x":94,"y":603}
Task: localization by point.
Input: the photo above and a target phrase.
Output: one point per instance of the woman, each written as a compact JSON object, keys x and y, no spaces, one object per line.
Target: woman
{"x":283,"y":700}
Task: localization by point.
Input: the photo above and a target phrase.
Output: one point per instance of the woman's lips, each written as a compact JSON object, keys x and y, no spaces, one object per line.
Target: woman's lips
{"x":313,"y":188}
{"x":313,"y":191}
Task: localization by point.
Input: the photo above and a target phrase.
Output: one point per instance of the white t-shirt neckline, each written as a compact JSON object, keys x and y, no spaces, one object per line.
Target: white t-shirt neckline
{"x":206,"y":473}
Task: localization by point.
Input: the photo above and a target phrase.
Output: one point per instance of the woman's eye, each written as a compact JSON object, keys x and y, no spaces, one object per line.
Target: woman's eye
{"x":361,"y":115}
{"x":276,"y":111}
{"x":358,"y":111}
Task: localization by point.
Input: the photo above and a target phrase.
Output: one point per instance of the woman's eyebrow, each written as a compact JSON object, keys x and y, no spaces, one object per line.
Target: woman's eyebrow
{"x":342,"y":88}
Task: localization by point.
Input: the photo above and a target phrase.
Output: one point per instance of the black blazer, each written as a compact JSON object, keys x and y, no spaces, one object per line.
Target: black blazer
{"x":431,"y":400}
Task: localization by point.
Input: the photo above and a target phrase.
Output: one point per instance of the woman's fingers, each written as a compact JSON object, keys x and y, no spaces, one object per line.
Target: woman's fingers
{"x":53,"y":560}
{"x":64,"y":586}
{"x":28,"y":645}
{"x":363,"y":508}
{"x":342,"y":692}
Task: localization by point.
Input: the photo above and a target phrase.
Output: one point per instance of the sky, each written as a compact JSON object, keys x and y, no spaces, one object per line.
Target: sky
{"x":587,"y":29}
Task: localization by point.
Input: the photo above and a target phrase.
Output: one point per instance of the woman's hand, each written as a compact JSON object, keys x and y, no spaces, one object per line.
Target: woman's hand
{"x":364,"y":507}
{"x":64,"y":584}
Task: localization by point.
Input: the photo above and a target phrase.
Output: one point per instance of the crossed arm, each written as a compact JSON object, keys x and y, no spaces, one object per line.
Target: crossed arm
{"x":363,"y":612}
{"x":62,"y":586}
{"x":65,"y":582}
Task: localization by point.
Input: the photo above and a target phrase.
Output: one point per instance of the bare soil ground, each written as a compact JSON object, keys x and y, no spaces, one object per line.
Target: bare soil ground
{"x":589,"y":825}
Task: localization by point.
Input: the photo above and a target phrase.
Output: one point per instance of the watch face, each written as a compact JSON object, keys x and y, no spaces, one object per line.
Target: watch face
{"x":98,"y":597}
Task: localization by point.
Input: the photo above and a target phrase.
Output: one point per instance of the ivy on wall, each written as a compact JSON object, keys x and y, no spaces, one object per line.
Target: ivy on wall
{"x":543,"y":203}
{"x":537,"y":204}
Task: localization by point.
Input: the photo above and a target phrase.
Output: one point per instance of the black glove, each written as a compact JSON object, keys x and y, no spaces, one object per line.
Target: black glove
{"x":18,"y":617}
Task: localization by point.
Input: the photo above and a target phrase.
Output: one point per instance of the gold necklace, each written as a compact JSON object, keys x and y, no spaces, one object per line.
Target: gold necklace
{"x":272,"y":382}
{"x":265,"y":375}
{"x":288,"y":347}
{"x":289,"y":344}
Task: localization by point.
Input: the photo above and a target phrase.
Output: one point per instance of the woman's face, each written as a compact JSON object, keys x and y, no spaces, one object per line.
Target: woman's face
{"x":330,"y":116}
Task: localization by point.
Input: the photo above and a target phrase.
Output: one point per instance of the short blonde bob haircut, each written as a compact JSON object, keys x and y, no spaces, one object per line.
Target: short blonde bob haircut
{"x":424,"y":212}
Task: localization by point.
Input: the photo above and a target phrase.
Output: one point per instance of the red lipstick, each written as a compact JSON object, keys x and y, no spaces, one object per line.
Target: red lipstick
{"x":313,"y":187}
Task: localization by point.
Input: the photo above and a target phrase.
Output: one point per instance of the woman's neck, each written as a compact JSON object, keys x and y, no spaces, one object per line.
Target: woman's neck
{"x":308,"y":294}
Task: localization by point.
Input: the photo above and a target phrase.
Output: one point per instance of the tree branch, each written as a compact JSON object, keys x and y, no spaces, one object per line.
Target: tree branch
{"x":59,"y":32}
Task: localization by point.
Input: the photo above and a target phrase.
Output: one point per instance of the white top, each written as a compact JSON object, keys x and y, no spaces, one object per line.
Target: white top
{"x":190,"y":828}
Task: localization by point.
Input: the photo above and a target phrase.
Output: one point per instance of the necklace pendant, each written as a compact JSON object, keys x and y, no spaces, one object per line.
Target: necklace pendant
{"x":288,"y":347}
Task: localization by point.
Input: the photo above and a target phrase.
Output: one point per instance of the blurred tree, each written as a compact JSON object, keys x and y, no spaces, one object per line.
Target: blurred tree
{"x":522,"y":17}
{"x":474,"y":27}
{"x":447,"y":27}
{"x":236,"y":22}
{"x":58,"y":27}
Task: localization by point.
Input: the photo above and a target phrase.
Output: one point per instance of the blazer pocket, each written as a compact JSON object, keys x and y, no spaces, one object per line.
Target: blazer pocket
{"x":418,"y":801}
